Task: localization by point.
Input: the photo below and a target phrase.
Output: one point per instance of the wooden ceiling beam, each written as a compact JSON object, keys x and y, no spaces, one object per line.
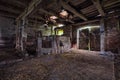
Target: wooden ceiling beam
{"x":46,"y":12}
{"x":10,"y":9}
{"x":110,"y":3}
{"x":68,"y":1}
{"x":38,"y":17}
{"x":33,"y":21}
{"x":17,"y":2}
{"x":69,"y":8}
{"x":53,"y":14}
{"x":8,"y":15}
{"x":32,"y":6}
{"x":12,"y":3}
{"x":87,"y":22}
{"x":99,"y":7}
{"x":5,"y":13}
{"x":51,"y":4}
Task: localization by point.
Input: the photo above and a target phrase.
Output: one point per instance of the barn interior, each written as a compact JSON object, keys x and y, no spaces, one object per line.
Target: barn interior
{"x":59,"y":39}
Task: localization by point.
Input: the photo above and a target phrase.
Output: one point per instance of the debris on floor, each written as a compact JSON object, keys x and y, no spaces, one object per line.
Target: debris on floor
{"x":67,"y":66}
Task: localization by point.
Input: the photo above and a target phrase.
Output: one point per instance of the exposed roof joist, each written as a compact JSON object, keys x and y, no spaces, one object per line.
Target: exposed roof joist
{"x":69,"y":8}
{"x":99,"y":7}
{"x":46,"y":12}
{"x":87,"y":22}
{"x":110,"y":3}
{"x":9,"y":9}
{"x":29,"y":9}
{"x":53,"y":14}
{"x":8,"y":14}
{"x":39,"y":17}
{"x":13,"y":3}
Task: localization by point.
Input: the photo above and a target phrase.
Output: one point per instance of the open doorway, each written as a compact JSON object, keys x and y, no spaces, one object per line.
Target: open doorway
{"x":88,"y":38}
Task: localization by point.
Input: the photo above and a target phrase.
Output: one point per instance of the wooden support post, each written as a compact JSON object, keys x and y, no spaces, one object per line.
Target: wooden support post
{"x":17,"y":36}
{"x":102,"y":36}
{"x":78,"y":37}
{"x":20,"y":34}
{"x":71,"y":33}
{"x":55,"y":32}
{"x":89,"y":44}
{"x":39,"y":44}
{"x":118,"y":24}
{"x":51,"y":30}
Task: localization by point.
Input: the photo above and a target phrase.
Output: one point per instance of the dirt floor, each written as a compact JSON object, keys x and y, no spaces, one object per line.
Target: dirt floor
{"x":74,"y":65}
{"x":117,"y":67}
{"x":8,"y":54}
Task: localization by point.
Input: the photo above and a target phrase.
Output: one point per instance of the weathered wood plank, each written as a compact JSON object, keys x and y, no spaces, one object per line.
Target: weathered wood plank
{"x":69,"y":8}
{"x":29,"y":9}
{"x":99,"y":7}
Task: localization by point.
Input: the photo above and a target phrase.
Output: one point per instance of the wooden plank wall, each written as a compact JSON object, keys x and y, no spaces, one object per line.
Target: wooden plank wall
{"x":7,"y":33}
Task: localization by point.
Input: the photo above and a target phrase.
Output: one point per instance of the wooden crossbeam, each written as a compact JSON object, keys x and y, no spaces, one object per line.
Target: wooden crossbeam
{"x":53,"y":14}
{"x":9,"y":9}
{"x":38,"y":17}
{"x":8,"y":14}
{"x":68,"y":1}
{"x":110,"y":3}
{"x":9,"y":3}
{"x":99,"y":7}
{"x":46,"y":12}
{"x":29,"y":9}
{"x":87,"y":22}
{"x":69,"y":8}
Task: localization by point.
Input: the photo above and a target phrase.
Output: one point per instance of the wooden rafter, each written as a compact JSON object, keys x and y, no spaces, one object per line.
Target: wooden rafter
{"x":99,"y":7}
{"x":9,"y":9}
{"x":17,"y":4}
{"x":46,"y":12}
{"x":38,"y":17}
{"x":8,"y":14}
{"x":87,"y":22}
{"x":109,"y":3}
{"x":29,"y":9}
{"x":53,"y":14}
{"x":69,"y":8}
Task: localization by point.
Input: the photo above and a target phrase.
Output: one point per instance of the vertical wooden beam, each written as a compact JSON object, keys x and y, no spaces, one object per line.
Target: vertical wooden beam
{"x":71,"y":32}
{"x":17,"y":36}
{"x":78,"y":37}
{"x":22,"y":27}
{"x":118,"y":24}
{"x":20,"y":34}
{"x":51,"y":30}
{"x":39,"y":43}
{"x":89,"y":43}
{"x":102,"y":36}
